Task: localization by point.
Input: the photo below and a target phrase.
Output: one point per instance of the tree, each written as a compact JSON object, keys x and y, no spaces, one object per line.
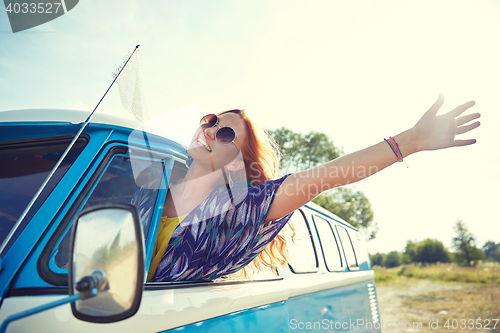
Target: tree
{"x":491,"y":251}
{"x":352,"y":207}
{"x":377,"y":259}
{"x":392,"y":259}
{"x":465,"y":245}
{"x":475,"y":254}
{"x":410,"y":253}
{"x":427,"y":251}
{"x":300,"y":152}
{"x":431,"y":251}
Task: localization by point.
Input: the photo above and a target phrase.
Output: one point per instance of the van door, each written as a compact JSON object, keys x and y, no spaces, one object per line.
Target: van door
{"x":336,"y":299}
{"x":126,"y":175}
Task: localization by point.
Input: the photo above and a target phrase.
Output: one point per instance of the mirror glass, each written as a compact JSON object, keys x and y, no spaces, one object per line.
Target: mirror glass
{"x":106,"y":239}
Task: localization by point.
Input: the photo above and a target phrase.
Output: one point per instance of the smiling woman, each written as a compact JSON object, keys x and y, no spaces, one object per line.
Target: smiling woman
{"x":216,"y":186}
{"x":211,"y":230}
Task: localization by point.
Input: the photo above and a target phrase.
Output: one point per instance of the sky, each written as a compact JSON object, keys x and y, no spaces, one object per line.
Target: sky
{"x":357,"y":71}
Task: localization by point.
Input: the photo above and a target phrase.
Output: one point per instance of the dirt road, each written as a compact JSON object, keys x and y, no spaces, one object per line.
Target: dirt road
{"x":395,"y":305}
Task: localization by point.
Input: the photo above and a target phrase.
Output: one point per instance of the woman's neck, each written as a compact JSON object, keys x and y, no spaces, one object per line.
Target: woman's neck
{"x":189,"y":192}
{"x":198,"y":181}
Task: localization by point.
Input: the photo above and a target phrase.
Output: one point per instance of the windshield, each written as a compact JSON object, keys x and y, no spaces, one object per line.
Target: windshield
{"x":25,"y":164}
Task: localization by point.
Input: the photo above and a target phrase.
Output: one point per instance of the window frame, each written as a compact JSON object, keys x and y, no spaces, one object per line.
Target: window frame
{"x":342,"y":266}
{"x":351,"y":268}
{"x":316,"y":269}
{"x":51,"y":185}
{"x":43,"y":263}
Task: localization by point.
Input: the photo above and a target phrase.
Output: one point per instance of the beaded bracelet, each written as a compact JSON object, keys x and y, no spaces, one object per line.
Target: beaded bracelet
{"x":395,"y":149}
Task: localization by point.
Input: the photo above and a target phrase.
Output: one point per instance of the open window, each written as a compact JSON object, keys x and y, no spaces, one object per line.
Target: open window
{"x":121,"y":178}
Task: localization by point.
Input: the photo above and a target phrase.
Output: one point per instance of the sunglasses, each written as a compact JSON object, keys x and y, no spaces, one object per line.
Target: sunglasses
{"x":224,"y":135}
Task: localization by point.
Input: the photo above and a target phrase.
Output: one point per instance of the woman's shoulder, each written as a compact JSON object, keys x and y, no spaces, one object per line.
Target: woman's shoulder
{"x":273,"y":184}
{"x":235,"y":196}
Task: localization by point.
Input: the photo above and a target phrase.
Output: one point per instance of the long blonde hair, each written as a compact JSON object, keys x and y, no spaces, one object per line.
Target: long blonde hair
{"x":262,"y":160}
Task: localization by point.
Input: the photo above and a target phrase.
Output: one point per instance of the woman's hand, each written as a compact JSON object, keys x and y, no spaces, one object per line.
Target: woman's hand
{"x":437,"y":132}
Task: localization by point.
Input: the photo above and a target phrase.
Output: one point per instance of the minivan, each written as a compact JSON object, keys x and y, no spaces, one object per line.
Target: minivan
{"x":327,"y":286}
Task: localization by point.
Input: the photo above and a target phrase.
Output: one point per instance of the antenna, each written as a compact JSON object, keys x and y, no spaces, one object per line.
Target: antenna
{"x":37,"y":194}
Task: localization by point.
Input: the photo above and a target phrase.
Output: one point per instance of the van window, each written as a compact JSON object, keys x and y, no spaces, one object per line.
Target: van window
{"x":25,"y":164}
{"x":360,"y":250}
{"x":126,"y":180}
{"x":301,"y":249}
{"x":329,"y":244}
{"x":352,"y":263}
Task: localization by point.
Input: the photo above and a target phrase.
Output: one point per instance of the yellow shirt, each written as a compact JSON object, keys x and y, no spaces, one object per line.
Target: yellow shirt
{"x":165,"y":231}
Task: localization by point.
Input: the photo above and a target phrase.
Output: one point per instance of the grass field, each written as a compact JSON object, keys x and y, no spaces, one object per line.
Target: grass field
{"x":485,"y":273}
{"x":467,"y":293}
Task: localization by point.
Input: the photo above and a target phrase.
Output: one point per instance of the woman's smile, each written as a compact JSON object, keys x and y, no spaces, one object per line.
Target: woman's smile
{"x":203,"y":142}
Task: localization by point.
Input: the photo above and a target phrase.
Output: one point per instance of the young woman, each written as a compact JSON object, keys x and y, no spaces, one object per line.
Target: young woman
{"x":211,"y":228}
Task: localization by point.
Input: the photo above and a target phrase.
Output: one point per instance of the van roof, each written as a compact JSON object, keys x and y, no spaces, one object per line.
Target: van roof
{"x":64,"y":115}
{"x":326,"y":212}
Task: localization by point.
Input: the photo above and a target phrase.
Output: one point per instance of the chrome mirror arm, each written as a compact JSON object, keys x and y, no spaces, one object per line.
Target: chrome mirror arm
{"x":41,"y":308}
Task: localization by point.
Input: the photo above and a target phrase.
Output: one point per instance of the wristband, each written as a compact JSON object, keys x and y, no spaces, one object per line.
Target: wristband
{"x":395,"y":149}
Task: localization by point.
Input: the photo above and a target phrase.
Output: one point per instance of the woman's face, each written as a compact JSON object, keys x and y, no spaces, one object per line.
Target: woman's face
{"x":204,"y":142}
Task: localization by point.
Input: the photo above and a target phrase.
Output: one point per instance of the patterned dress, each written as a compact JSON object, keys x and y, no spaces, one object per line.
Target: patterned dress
{"x":222,"y":235}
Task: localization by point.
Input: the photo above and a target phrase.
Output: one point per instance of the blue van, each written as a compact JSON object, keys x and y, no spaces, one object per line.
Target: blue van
{"x":327,"y":286}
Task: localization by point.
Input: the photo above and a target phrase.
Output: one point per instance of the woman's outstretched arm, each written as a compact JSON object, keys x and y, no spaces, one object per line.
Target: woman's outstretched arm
{"x":430,"y":133}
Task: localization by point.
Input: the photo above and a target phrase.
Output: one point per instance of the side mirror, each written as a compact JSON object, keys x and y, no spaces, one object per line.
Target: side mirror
{"x":107,"y":260}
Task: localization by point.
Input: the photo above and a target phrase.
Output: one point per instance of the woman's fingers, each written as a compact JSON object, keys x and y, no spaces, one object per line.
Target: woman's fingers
{"x":465,"y":129}
{"x":458,"y":143}
{"x":465,"y":119}
{"x":435,"y":107}
{"x":461,"y":108}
